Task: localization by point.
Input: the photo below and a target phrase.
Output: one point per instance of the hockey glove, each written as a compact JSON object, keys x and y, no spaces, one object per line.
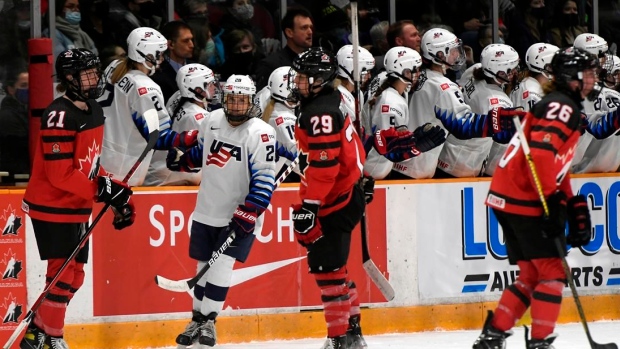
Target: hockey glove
{"x":500,"y":119}
{"x":428,"y":136}
{"x":392,"y":140}
{"x":243,"y":221}
{"x":179,"y":161}
{"x":555,"y":224}
{"x":584,"y":123}
{"x":579,"y":224}
{"x":186,"y":139}
{"x":368,"y":186}
{"x":306,"y":223}
{"x":124,"y":215}
{"x":111,"y":191}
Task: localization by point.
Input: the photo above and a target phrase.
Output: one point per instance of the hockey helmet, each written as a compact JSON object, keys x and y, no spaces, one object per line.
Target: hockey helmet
{"x":146,"y":44}
{"x":71,"y":63}
{"x":538,"y":57}
{"x":500,"y":62}
{"x":399,"y":60}
{"x":612,"y":79}
{"x":239,"y":92}
{"x":197,"y":81}
{"x":442,"y":47}
{"x":345,"y":63}
{"x":568,"y":64}
{"x":318,"y":65}
{"x":279,"y":86}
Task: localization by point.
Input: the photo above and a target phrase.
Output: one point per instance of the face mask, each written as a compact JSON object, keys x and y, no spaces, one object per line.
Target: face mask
{"x":210,"y":48}
{"x":23,"y":24}
{"x":21,"y":94}
{"x":244,"y":12}
{"x":73,"y":17}
{"x":538,"y":12}
{"x":570,"y":19}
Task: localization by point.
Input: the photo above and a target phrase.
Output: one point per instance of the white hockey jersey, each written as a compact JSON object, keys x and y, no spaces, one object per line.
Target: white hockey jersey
{"x":390,"y":110}
{"x":283,"y":121}
{"x":598,"y":155}
{"x":262,"y":98}
{"x":527,"y":93}
{"x":125,"y":131}
{"x":238,"y":167}
{"x":189,"y":117}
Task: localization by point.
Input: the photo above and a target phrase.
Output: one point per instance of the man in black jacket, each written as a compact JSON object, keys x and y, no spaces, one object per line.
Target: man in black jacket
{"x":14,"y":156}
{"x":298,"y":28}
{"x":180,"y":50}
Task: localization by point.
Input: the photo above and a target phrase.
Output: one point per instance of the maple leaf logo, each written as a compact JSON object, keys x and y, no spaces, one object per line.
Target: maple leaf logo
{"x":90,"y":164}
{"x":13,"y":266}
{"x":12,"y":221}
{"x":13,"y":309}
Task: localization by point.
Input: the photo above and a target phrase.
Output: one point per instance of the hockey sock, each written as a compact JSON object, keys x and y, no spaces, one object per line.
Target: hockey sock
{"x":218,"y":282}
{"x":516,"y":298}
{"x":355,"y":301}
{"x":336,"y":303}
{"x":51,"y":314}
{"x":547,"y":297}
{"x":199,"y":289}
{"x":78,"y":279}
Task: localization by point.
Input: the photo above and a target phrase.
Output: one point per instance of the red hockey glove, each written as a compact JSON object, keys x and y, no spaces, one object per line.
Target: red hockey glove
{"x":243,"y":221}
{"x":124,"y":215}
{"x":579,"y":224}
{"x":500,"y":119}
{"x":428,"y":136}
{"x":186,"y":139}
{"x":392,"y":140}
{"x":555,"y":224}
{"x":111,"y":191}
{"x":306,"y":223}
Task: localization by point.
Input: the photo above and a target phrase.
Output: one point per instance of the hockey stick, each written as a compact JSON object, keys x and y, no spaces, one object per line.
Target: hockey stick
{"x":187,"y":284}
{"x":557,"y":241}
{"x":375,"y":275}
{"x":152,"y":122}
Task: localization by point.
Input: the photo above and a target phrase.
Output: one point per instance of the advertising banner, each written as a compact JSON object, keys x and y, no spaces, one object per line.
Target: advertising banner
{"x":274,"y":276}
{"x":467,"y":258}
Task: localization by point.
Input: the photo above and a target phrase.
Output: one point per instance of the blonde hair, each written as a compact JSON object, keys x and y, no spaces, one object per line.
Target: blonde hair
{"x":549,"y":87}
{"x":121,"y":69}
{"x":268,"y":110}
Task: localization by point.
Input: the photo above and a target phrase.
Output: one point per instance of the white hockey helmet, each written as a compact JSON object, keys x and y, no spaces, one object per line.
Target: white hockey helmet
{"x":500,"y":62}
{"x":196,"y":81}
{"x":398,"y":60}
{"x":146,"y":44}
{"x":279,"y":87}
{"x":345,"y":62}
{"x":237,"y":107}
{"x":538,"y":57}
{"x":612,"y":78}
{"x":442,"y":47}
{"x":591,"y":43}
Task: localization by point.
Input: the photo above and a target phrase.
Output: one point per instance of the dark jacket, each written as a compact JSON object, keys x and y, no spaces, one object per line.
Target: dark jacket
{"x":265,"y":67}
{"x":166,"y":78}
{"x":14,"y":155}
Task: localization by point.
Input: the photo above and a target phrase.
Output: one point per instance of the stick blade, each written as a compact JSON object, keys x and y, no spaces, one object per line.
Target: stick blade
{"x":379,"y":279}
{"x":604,"y":346}
{"x":18,"y":330}
{"x":172,"y":285}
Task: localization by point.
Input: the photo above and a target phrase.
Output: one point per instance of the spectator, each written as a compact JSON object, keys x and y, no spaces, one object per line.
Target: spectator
{"x":485,"y":38}
{"x":14,"y":157}
{"x":241,"y":54}
{"x":208,"y":45}
{"x":567,"y":24}
{"x":378,"y":36}
{"x":111,"y":53}
{"x":297,"y":27}
{"x":180,"y":49}
{"x":528,"y":25}
{"x":127,"y":15}
{"x":238,"y":15}
{"x":14,"y":34}
{"x":96,"y":23}
{"x":69,"y":35}
{"x":404,"y":33}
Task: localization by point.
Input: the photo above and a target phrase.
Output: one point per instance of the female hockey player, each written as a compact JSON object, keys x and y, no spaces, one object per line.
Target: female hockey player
{"x":238,"y":176}
{"x":529,"y":90}
{"x":552,"y":129}
{"x":129,"y":93}
{"x":197,"y":87}
{"x":344,"y":79}
{"x":65,"y":179}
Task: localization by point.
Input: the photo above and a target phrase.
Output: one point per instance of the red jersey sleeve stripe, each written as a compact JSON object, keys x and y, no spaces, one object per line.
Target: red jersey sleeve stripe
{"x":58,"y":156}
{"x":551,"y":129}
{"x":54,"y":139}
{"x":324,"y":164}
{"x":322,"y":146}
{"x":543,"y":146}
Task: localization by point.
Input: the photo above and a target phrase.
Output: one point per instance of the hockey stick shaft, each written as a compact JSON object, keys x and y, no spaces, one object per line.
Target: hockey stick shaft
{"x":356,"y":66}
{"x":153,"y":136}
{"x":558,"y":243}
{"x":186,"y":285}
{"x":373,"y":272}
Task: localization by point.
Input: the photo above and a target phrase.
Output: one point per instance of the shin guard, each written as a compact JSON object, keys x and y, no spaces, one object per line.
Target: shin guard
{"x":336,"y":302}
{"x":51,"y":314}
{"x":547,"y":296}
{"x":516,"y":298}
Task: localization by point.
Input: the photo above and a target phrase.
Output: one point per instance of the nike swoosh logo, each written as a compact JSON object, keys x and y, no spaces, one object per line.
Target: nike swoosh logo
{"x":246,"y":274}
{"x":83,"y":126}
{"x":214,"y":128}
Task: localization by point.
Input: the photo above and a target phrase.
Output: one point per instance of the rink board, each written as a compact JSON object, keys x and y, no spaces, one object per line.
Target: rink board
{"x":441,"y":249}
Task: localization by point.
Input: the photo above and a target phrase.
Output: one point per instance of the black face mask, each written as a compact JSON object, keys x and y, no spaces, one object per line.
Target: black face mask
{"x":242,"y":59}
{"x":538,"y":13}
{"x":570,"y":19}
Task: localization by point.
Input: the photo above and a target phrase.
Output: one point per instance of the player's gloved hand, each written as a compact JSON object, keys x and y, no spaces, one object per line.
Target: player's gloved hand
{"x":306,"y":223}
{"x":179,"y":161}
{"x":368,"y":186}
{"x":579,"y":224}
{"x":500,"y":119}
{"x":584,"y":123}
{"x":555,"y":224}
{"x":186,"y":139}
{"x":111,"y":191}
{"x":428,"y":136}
{"x":392,"y":140}
{"x":243,"y":221}
{"x":124,"y":215}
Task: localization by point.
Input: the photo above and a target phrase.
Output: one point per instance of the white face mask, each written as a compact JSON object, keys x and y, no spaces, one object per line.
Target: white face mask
{"x":244,"y":12}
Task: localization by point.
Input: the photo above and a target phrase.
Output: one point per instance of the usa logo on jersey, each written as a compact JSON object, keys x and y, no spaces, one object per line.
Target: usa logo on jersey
{"x":221,"y":152}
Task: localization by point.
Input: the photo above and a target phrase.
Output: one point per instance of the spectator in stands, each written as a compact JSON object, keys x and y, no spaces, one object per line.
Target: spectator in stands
{"x":95,"y":22}
{"x":14,"y":157}
{"x":567,"y":24}
{"x":528,"y":24}
{"x":180,"y":49}
{"x":208,"y":45}
{"x":127,"y":15}
{"x":378,"y":36}
{"x":110,"y":53}
{"x":238,"y":15}
{"x":69,"y":34}
{"x":297,"y":27}
{"x":14,"y":34}
{"x":404,"y":33}
{"x":485,"y":38}
{"x":242,"y":54}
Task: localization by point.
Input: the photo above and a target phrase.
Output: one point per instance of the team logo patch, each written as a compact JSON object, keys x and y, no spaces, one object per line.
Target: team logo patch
{"x":325,"y":58}
{"x":494,"y":101}
{"x":199,"y":116}
{"x":385,"y":108}
{"x":401,"y":53}
{"x":142,"y":91}
{"x":279,"y":120}
{"x":13,"y":309}
{"x":589,"y":38}
{"x":499,"y":54}
{"x":221,"y":152}
{"x":542,"y":49}
{"x":526,"y":94}
{"x":55,"y":148}
{"x":445,"y":86}
{"x":496,"y":201}
{"x":148,"y":35}
{"x":437,"y":35}
{"x":264,"y":137}
{"x":323,"y":155}
{"x":547,"y":138}
{"x":89,"y":164}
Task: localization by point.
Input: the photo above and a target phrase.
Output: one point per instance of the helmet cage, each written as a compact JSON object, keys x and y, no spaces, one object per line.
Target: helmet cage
{"x":75,"y":61}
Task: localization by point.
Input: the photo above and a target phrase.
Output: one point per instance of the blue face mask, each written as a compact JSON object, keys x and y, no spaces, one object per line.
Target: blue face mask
{"x":21,"y":94}
{"x":73,"y":17}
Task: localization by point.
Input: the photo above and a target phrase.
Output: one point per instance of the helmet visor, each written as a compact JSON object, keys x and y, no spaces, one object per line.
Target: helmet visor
{"x":455,"y":57}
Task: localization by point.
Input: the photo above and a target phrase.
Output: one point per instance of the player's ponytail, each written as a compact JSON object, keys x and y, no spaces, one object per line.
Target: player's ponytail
{"x":387,"y":83}
{"x":268,"y":110}
{"x":121,"y":69}
{"x":549,"y":87}
{"x":179,"y":106}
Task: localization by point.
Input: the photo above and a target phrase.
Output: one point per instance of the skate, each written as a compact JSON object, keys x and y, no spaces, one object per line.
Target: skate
{"x":33,"y":339}
{"x":192,"y":331}
{"x":539,"y":343}
{"x":355,"y":339}
{"x":491,"y":338}
{"x":55,"y":343}
{"x":336,"y":343}
{"x":207,"y":331}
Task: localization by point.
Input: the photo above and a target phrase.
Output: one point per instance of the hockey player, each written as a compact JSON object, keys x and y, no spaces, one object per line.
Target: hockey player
{"x":552,"y":129}
{"x":438,"y":99}
{"x":529,"y":90}
{"x":612,"y":78}
{"x":66,"y":178}
{"x":238,"y":176}
{"x":197,"y":87}
{"x":388,"y":108}
{"x":129,"y":93}
{"x":345,"y":81}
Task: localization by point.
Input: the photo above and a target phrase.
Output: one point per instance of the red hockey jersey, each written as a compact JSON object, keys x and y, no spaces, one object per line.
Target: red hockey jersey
{"x":330,"y":152}
{"x":552,"y":132}
{"x":66,"y":162}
